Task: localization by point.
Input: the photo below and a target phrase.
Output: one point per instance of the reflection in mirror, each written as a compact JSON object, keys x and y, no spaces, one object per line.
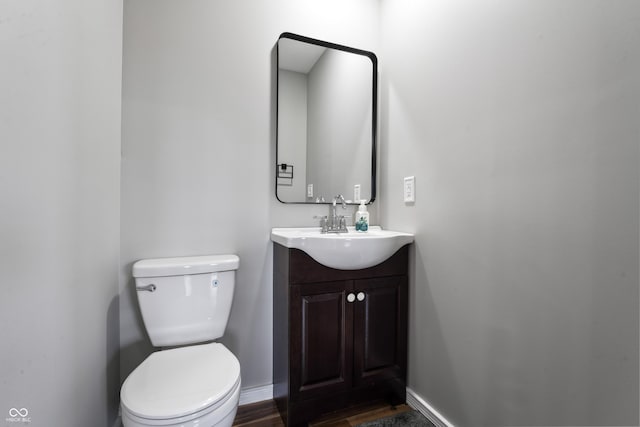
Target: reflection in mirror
{"x":326,"y":121}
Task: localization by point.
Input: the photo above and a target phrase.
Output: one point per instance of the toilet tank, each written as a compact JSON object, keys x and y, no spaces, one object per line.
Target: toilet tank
{"x":185,"y":300}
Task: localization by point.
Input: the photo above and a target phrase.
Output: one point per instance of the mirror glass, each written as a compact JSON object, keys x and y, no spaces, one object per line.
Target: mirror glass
{"x":326,"y":121}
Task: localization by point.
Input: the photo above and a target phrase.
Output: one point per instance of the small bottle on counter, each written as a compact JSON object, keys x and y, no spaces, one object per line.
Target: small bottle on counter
{"x":362,"y":217}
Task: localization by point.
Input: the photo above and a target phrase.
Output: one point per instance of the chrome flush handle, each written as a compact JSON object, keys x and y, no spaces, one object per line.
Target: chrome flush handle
{"x":150,"y":288}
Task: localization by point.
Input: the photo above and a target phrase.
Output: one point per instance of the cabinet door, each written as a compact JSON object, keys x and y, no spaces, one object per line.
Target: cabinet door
{"x":380,"y":329}
{"x":321,"y":334}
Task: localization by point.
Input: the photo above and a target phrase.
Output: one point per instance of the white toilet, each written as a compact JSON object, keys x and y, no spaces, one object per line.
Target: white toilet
{"x":184,"y":301}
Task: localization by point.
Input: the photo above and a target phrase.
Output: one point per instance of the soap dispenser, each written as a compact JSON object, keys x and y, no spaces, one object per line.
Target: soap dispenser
{"x":362,"y":217}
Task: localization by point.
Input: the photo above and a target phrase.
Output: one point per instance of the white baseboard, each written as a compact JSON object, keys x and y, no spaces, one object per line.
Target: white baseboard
{"x":256,"y":394}
{"x":422,"y":406}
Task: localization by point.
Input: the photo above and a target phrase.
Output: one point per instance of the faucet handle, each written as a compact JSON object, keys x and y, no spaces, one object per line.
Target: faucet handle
{"x":323,"y":223}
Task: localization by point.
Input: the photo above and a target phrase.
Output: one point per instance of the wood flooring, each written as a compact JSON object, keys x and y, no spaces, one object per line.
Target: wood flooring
{"x":265,"y":414}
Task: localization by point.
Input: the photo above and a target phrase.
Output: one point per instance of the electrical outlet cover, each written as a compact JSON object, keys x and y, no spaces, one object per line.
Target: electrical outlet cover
{"x":410,"y":189}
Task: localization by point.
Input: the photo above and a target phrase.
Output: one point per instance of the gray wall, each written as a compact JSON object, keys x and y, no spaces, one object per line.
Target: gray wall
{"x":339,"y":125}
{"x":292,"y":147}
{"x":199,"y":144}
{"x":60,"y":80}
{"x":521,"y":123}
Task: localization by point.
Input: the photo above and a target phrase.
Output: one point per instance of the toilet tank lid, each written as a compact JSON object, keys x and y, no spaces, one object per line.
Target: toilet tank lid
{"x":180,"y":266}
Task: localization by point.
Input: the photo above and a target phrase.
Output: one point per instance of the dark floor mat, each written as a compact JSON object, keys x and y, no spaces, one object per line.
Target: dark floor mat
{"x":408,"y":419}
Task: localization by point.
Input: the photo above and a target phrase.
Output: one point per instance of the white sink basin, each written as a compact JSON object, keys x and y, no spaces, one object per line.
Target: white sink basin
{"x":344,"y":251}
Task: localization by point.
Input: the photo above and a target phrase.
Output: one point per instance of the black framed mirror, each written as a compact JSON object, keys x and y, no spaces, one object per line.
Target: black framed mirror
{"x":326,"y":121}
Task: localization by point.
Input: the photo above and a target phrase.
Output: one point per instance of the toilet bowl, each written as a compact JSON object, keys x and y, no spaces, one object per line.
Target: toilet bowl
{"x":197,"y":385}
{"x":189,"y":386}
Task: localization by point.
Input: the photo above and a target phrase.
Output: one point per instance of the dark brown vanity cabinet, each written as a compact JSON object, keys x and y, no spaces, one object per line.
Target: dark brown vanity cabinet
{"x":340,"y":336}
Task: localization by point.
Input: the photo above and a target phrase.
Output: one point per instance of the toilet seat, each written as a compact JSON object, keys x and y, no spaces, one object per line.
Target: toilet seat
{"x":182,"y":384}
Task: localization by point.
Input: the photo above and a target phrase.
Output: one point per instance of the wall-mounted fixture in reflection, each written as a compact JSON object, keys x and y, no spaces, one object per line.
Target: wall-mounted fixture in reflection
{"x":326,"y":120}
{"x":284,"y":174}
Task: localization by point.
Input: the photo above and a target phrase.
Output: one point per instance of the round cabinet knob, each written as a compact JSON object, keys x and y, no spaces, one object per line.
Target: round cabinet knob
{"x":351,"y":297}
{"x":361,"y":296}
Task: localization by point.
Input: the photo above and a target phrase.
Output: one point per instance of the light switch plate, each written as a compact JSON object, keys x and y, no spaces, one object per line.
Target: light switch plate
{"x":409,"y":189}
{"x":356,"y":193}
{"x":310,"y":190}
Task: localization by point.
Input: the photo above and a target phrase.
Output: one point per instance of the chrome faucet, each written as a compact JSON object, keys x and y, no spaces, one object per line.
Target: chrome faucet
{"x":336,"y":223}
